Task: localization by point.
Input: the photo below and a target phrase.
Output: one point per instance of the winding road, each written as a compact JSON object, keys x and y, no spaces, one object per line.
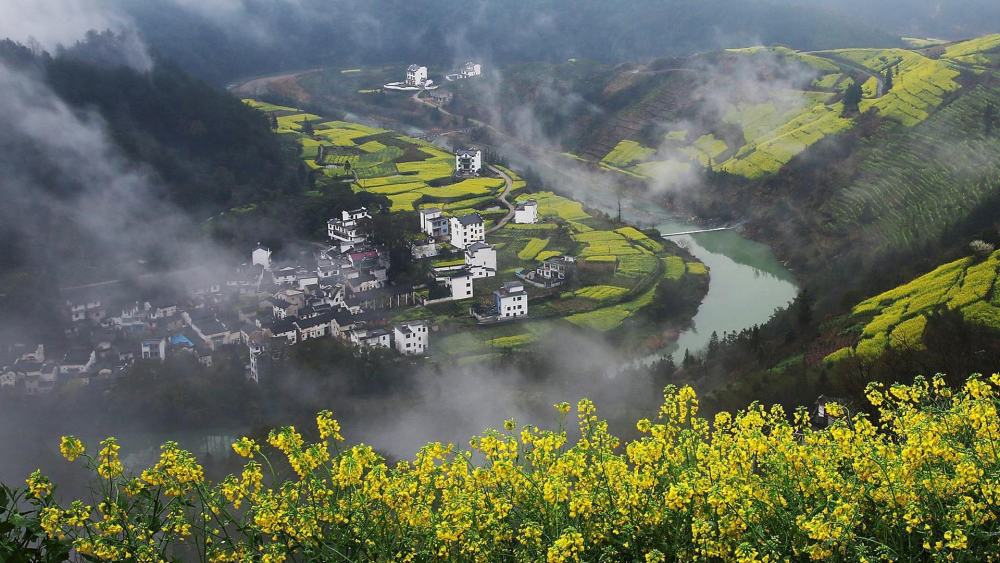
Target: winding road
{"x":842,"y":63}
{"x":503,"y":199}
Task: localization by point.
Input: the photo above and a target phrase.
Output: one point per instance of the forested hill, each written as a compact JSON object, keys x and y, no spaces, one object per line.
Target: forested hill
{"x":93,"y":148}
{"x":259,"y":36}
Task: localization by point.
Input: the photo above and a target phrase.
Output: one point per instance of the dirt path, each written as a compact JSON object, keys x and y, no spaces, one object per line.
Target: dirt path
{"x":503,"y":198}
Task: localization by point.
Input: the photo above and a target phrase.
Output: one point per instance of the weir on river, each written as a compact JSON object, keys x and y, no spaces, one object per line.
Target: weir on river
{"x":699,"y":231}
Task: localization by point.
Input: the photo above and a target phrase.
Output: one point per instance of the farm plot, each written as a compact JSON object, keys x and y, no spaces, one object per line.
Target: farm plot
{"x":626,"y":153}
{"x":552,"y":205}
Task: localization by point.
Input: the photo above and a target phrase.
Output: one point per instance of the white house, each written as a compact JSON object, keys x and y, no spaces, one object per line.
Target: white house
{"x":315,"y":327}
{"x":433,"y":222}
{"x":458,"y":282}
{"x":466,"y":230}
{"x":511,"y":300}
{"x":350,"y":230}
{"x":481,"y":259}
{"x":471,"y":69}
{"x":526,"y":213}
{"x":468,"y":162}
{"x":261,"y":256}
{"x":153,"y":349}
{"x":411,"y":339}
{"x":416,"y":75}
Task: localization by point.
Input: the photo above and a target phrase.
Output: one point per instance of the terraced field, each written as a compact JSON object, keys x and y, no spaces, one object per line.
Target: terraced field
{"x":897,"y":318}
{"x":920,"y":83}
{"x":913,"y":184}
{"x":777,"y":129}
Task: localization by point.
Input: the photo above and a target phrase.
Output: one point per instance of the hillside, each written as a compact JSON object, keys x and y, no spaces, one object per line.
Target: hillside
{"x":748,"y":112}
{"x":92,"y":149}
{"x":898,"y":318}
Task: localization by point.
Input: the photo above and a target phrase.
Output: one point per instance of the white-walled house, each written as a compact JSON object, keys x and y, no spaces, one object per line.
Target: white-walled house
{"x":468,"y":162}
{"x":411,"y":338}
{"x":481,"y":260}
{"x":370,"y":338}
{"x":466,"y":230}
{"x":526,"y":213}
{"x":433,"y":222}
{"x":350,"y":230}
{"x":261,"y":256}
{"x":511,"y":300}
{"x":471,"y":69}
{"x":416,"y":75}
{"x":458,"y":282}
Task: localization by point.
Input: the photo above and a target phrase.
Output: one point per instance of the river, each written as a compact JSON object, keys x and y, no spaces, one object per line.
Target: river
{"x":747,"y":283}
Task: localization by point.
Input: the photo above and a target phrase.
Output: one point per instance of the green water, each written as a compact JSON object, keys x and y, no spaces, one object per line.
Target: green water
{"x":747,"y":285}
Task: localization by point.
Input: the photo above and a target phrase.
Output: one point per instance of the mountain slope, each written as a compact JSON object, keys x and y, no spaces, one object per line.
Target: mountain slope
{"x":255,"y":36}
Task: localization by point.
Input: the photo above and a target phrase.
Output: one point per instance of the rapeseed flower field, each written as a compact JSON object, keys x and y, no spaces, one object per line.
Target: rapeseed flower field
{"x":915,"y":478}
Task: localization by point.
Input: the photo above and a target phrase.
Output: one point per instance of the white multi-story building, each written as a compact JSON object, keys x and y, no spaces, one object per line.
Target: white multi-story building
{"x":511,"y":300}
{"x":468,"y":162}
{"x":433,"y":222}
{"x":261,"y":256}
{"x":481,"y":260}
{"x":458,"y":282}
{"x":416,"y":75}
{"x":526,"y":213}
{"x":466,"y":230}
{"x":411,"y":339}
{"x":471,"y":69}
{"x":350,"y":230}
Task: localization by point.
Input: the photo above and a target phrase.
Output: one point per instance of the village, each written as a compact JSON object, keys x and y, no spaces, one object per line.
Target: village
{"x":342,"y":293}
{"x":483,"y":244}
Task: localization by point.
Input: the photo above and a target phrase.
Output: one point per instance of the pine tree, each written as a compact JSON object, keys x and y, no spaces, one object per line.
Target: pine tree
{"x":307,"y":127}
{"x":888,"y":80}
{"x":852,"y":97}
{"x":989,"y":118}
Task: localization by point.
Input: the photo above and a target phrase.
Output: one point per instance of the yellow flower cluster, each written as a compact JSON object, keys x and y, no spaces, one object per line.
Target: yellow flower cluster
{"x":916,"y":478}
{"x":39,"y":486}
{"x":71,"y":448}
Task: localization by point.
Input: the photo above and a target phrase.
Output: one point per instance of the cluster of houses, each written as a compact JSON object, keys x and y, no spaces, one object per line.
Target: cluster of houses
{"x":261,"y":308}
{"x":466,"y":234}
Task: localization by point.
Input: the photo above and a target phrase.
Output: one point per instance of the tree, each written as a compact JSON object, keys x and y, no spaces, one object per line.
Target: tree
{"x":888,"y":80}
{"x":273,"y":120}
{"x":981,"y":249}
{"x":804,"y":308}
{"x":307,"y":128}
{"x":852,"y":97}
{"x":989,"y":118}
